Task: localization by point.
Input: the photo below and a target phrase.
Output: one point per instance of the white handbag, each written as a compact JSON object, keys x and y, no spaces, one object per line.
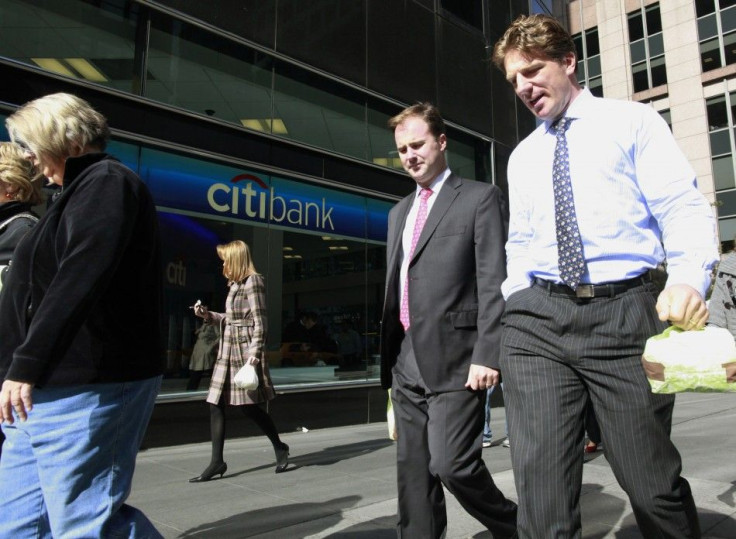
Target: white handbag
{"x":246,"y":377}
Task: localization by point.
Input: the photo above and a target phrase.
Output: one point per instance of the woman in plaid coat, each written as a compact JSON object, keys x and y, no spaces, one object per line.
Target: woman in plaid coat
{"x":243,"y":330}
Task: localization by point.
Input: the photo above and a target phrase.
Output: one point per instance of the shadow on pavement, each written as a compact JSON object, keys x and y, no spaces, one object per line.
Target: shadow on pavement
{"x":252,"y":523}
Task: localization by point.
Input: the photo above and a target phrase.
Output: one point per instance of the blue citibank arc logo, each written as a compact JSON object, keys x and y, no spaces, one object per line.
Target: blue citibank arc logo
{"x":193,"y":185}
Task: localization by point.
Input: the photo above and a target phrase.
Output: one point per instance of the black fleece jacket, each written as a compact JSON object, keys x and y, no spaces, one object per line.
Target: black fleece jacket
{"x":81,"y":303}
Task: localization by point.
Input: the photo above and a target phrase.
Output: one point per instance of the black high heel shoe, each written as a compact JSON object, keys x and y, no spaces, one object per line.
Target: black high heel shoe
{"x":282,"y":458}
{"x":210,"y":472}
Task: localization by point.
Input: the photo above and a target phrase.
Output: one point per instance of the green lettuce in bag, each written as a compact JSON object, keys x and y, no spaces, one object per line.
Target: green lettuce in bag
{"x":700,"y":361}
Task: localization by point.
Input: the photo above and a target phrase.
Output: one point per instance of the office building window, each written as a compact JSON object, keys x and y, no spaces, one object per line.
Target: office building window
{"x":721,"y":113}
{"x":647,"y":48}
{"x":589,"y":60}
{"x":716,"y":32}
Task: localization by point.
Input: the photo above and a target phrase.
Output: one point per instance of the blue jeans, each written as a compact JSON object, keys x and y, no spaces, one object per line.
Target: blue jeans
{"x":487,"y":434}
{"x":66,"y":471}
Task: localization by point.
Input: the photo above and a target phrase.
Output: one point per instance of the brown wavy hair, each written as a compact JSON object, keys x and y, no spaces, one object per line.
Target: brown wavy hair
{"x":19,"y":173}
{"x":534,"y":35}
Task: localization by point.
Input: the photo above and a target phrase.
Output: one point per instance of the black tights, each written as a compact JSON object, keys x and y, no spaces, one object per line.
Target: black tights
{"x":254,"y":412}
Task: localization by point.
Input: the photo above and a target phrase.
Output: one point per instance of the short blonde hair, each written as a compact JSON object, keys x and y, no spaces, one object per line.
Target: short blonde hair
{"x":58,"y":125}
{"x":535,"y":36}
{"x":238,"y":262}
{"x":18,"y":172}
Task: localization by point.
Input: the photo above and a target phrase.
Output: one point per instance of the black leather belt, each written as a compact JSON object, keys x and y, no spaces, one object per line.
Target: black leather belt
{"x":584,"y":291}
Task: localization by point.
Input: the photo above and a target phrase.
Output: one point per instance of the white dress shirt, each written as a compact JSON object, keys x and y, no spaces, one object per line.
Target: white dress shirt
{"x":436,"y":186}
{"x":634,"y":191}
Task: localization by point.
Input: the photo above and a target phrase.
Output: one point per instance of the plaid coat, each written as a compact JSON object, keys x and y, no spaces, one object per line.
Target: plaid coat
{"x":243,"y":330}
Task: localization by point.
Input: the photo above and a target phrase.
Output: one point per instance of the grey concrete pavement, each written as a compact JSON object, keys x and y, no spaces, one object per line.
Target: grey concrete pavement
{"x":341,"y":483}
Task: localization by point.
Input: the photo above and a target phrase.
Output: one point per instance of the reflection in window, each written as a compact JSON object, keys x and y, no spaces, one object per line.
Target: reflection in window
{"x":589,"y":60}
{"x":95,"y":43}
{"x":716,"y":32}
{"x":647,"y":48}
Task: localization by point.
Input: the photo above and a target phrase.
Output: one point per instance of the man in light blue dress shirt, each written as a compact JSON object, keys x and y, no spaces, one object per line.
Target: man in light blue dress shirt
{"x":637,"y":207}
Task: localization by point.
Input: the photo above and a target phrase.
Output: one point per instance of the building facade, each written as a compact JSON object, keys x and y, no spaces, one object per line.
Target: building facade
{"x":680,"y":57}
{"x":265,"y":120}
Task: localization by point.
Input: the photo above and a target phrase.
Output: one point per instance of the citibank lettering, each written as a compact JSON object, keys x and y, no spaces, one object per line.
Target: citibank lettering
{"x":265,"y":204}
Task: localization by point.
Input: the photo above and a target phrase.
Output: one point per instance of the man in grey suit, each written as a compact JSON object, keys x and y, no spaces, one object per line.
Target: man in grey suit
{"x":599,"y":194}
{"x":440,"y":332}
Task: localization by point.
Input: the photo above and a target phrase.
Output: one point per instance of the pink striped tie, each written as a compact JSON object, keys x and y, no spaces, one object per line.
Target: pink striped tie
{"x":418,"y":226}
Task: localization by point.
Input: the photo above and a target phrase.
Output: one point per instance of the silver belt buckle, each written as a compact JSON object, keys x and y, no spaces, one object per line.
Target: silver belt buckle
{"x":585,"y":291}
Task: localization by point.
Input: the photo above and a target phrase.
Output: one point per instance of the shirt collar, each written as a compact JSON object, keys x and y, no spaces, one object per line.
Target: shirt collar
{"x":436,"y":184}
{"x":579,"y":108}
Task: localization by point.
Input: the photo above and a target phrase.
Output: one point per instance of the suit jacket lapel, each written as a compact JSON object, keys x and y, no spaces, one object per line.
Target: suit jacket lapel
{"x":402,"y":211}
{"x":449,"y":192}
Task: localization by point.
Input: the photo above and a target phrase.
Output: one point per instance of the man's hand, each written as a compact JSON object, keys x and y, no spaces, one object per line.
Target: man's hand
{"x":481,"y":377}
{"x":683,"y":306}
{"x":15,"y":396}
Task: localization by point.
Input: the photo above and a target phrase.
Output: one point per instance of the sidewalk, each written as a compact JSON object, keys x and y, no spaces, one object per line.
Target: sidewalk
{"x":341,"y":483}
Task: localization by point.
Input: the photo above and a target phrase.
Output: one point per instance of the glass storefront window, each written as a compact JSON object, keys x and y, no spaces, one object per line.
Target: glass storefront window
{"x":321,"y":252}
{"x":89,"y":41}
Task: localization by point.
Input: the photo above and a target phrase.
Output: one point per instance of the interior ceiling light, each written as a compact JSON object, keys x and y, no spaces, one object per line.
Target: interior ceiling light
{"x":52,"y":64}
{"x":266,"y":125}
{"x":286,"y":248}
{"x":86,"y":69}
{"x":338,"y":248}
{"x":72,"y":67}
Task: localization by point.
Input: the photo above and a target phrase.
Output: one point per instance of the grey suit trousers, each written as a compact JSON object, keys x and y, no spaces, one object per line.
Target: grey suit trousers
{"x":558,"y":351}
{"x":439,"y":443}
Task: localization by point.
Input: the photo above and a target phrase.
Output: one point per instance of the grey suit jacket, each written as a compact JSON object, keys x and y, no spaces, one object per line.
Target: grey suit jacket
{"x":455,"y":281}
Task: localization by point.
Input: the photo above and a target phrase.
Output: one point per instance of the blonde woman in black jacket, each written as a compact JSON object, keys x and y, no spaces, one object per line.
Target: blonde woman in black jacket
{"x":79,"y":339}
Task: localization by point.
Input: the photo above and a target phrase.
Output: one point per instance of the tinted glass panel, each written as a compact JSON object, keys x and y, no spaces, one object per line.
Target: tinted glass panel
{"x":729,"y":43}
{"x":390,"y":44}
{"x":74,"y":39}
{"x":578,"y":40}
{"x":710,"y":55}
{"x":707,"y":27}
{"x":654,"y":21}
{"x":703,"y":7}
{"x":596,"y":87}
{"x":199,"y":71}
{"x":591,"y":42}
{"x":641,"y":77}
{"x":638,"y":51}
{"x":717,"y":113}
{"x":726,"y":3}
{"x":329,"y":34}
{"x":319,"y":114}
{"x":469,"y":11}
{"x":594,"y":66}
{"x":720,"y":143}
{"x":728,"y":19}
{"x":723,"y":174}
{"x":728,"y":204}
{"x":659,"y":72}
{"x":656,"y":45}
{"x":636,"y":26}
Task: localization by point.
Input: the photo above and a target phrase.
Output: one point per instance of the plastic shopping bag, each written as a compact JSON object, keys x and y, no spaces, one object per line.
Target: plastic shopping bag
{"x":699,"y":361}
{"x":247,"y":377}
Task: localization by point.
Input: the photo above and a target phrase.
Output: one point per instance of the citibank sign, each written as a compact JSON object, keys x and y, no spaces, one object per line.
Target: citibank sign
{"x":249,"y":196}
{"x":186,"y":184}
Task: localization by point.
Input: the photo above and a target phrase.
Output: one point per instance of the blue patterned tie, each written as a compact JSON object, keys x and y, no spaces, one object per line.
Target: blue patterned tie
{"x":569,"y":244}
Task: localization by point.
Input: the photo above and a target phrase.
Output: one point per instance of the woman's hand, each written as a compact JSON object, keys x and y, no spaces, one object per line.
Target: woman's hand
{"x":15,"y":396}
{"x":201,"y":310}
{"x":253,"y":360}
